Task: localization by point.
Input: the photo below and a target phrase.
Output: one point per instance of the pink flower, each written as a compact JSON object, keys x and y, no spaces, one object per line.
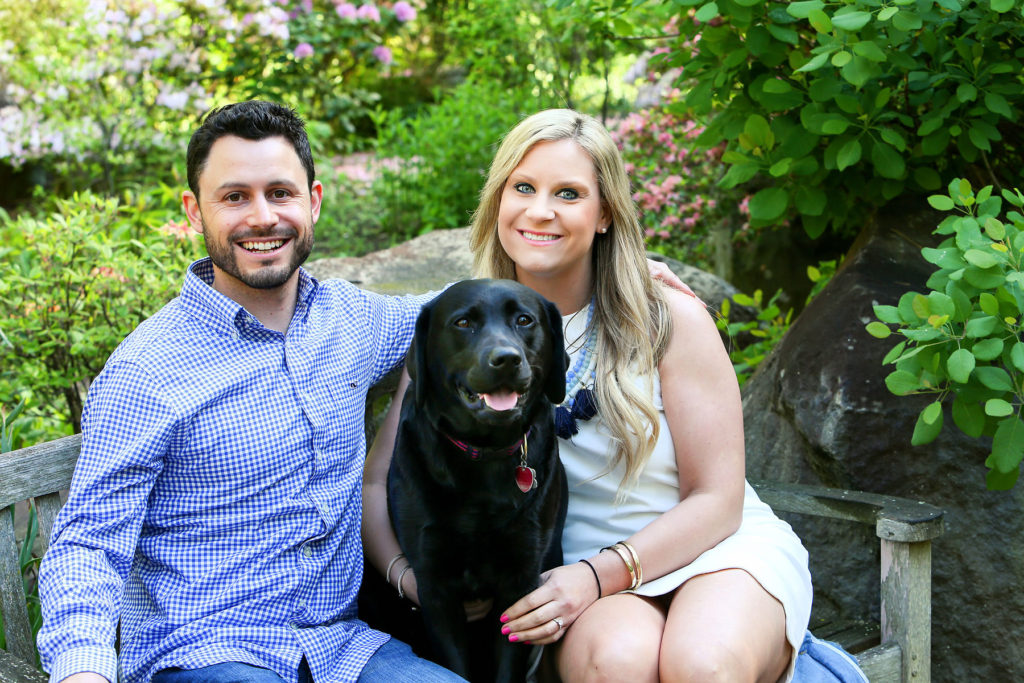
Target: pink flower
{"x":368,"y":12}
{"x":404,"y":11}
{"x":180,"y":231}
{"x":346,"y":10}
{"x":383,"y":54}
{"x":303,"y":50}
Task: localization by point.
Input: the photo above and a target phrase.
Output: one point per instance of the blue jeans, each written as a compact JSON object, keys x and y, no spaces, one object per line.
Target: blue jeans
{"x":394,"y":661}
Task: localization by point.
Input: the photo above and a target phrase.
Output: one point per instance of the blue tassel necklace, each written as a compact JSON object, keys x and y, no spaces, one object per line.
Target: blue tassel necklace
{"x":579,"y":403}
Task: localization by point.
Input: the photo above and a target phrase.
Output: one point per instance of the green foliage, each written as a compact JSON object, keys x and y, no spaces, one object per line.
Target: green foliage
{"x":754,"y":337}
{"x":73,"y":282}
{"x":830,"y":109}
{"x":433,"y":165}
{"x":963,"y":339}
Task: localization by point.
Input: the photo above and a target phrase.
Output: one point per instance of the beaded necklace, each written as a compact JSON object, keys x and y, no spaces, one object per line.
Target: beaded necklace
{"x":579,"y":403}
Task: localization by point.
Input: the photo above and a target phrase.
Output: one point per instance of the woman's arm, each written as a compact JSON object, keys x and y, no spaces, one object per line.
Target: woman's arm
{"x":379,"y":542}
{"x":705,"y":417}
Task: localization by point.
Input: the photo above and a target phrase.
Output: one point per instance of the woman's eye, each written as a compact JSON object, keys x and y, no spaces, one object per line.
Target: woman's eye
{"x":524,"y":188}
{"x":567,"y":193}
{"x":524,"y":320}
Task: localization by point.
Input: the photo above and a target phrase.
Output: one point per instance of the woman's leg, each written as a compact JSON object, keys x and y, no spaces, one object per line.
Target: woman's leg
{"x":618,"y":638}
{"x":724,"y":626}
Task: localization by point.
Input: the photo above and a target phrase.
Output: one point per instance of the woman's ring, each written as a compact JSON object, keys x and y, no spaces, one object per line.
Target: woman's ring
{"x":558,"y":621}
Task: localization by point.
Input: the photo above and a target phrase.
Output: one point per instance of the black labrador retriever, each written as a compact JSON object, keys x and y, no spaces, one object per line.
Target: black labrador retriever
{"x":476,"y":492}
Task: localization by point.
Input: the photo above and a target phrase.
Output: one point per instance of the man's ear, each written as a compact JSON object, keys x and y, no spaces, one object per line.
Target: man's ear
{"x":195,"y":216}
{"x":316,"y":197}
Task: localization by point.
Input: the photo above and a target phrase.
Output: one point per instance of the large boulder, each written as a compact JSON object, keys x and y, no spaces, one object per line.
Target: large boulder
{"x":818,"y":411}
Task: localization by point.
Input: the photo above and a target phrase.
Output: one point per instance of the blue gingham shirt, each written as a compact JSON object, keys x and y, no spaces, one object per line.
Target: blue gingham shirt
{"x":216,"y":505}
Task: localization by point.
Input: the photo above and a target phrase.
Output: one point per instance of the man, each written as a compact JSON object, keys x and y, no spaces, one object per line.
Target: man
{"x":215,"y":510}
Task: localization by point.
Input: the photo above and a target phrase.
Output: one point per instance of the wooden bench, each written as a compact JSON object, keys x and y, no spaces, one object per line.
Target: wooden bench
{"x":903,"y":641}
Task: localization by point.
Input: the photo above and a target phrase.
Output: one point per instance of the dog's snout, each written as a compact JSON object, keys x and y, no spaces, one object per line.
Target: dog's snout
{"x":504,"y":357}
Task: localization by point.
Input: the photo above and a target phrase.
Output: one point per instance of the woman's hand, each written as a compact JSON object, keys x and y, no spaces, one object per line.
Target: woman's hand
{"x":542,"y":616}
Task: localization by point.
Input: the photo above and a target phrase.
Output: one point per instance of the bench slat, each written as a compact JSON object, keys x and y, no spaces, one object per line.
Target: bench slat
{"x":36,"y":470}
{"x":17,"y":630}
{"x":881,"y":664}
{"x":47,"y":507}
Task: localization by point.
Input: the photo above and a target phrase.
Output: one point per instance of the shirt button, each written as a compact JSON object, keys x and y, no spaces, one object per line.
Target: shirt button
{"x":307,"y":551}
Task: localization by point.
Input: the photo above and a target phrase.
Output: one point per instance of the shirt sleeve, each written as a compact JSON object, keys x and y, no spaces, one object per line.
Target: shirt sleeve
{"x":395,"y":317}
{"x":127,"y":426}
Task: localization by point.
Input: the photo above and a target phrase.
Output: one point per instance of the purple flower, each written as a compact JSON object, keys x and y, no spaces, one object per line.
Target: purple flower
{"x":303,"y":50}
{"x":346,"y":10}
{"x":404,"y":11}
{"x":383,"y":54}
{"x":368,"y":12}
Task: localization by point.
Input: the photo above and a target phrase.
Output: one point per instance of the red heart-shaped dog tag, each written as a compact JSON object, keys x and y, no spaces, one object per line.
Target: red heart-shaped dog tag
{"x":526,"y":478}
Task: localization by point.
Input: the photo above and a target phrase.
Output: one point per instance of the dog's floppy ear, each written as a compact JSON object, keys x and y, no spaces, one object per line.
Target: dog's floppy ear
{"x":416,"y":359}
{"x":559,"y":363}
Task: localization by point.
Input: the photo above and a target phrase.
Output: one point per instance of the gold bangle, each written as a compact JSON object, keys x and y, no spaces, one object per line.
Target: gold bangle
{"x":627,"y":558}
{"x":636,"y":564}
{"x":391,"y":564}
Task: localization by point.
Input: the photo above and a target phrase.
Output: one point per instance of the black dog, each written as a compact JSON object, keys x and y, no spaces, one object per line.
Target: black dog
{"x":476,"y":492}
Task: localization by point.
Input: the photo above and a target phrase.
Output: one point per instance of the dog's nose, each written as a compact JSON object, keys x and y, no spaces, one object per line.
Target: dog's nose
{"x":504,"y":357}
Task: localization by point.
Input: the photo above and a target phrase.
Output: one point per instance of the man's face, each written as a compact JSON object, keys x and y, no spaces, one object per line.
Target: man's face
{"x":255,"y":212}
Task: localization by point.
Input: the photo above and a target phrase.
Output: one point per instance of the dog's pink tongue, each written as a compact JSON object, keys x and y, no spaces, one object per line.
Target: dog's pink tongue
{"x":501,"y":401}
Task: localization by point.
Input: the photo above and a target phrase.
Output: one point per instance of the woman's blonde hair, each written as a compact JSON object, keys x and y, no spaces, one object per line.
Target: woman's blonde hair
{"x":631,"y":314}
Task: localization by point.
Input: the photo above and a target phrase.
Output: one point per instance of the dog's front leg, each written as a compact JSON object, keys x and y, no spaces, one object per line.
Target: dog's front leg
{"x":445,"y":618}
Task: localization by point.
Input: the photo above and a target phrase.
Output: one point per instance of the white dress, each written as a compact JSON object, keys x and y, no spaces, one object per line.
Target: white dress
{"x":764,"y":546}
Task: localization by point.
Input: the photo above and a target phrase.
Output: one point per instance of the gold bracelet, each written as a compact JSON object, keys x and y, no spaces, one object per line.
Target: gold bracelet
{"x":391,"y":564}
{"x":636,"y":564}
{"x":621,"y":550}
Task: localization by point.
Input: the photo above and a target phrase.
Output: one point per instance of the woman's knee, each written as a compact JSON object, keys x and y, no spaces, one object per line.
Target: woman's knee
{"x":708,"y":662}
{"x":605,"y":648}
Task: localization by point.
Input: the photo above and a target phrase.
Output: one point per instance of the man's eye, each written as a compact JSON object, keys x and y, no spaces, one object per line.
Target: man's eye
{"x":567,"y":193}
{"x":281,"y":194}
{"x":523,"y":320}
{"x":233,"y":197}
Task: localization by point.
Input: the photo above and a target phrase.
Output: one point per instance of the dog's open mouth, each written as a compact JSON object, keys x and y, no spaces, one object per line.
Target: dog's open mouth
{"x":498,"y":401}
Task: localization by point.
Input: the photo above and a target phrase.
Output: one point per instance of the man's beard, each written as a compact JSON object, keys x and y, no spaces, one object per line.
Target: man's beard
{"x":267,"y":277}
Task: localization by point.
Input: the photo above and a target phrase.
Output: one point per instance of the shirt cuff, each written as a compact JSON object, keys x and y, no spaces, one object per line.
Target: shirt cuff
{"x":102,"y":661}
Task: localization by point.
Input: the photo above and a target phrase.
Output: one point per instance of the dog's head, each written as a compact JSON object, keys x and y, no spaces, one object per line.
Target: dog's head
{"x":487,"y":354}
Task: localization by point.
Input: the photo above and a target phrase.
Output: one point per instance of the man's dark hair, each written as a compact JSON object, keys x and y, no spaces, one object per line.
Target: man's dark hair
{"x":251,"y":120}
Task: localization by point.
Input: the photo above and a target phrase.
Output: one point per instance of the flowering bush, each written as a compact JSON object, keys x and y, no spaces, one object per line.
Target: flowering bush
{"x":114,"y":87}
{"x":74,"y":282}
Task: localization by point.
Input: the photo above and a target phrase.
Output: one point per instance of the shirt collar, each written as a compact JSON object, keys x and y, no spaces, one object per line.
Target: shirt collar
{"x":223,"y":313}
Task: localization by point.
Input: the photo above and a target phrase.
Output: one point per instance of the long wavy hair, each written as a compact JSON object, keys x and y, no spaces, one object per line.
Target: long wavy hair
{"x":631,"y":314}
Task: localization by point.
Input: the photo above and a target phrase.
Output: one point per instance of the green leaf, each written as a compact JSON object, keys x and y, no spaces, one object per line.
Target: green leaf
{"x":1001,"y":481}
{"x":887,"y":314}
{"x":959,"y":365}
{"x":1008,"y":444}
{"x":810,"y":200}
{"x":769,"y":204}
{"x":966,"y":92}
{"x":932,"y":412}
{"x":988,"y":303}
{"x":927,"y":178}
{"x":969,"y":417}
{"x":994,"y":378}
{"x":1002,"y":5}
{"x":924,"y":431}
{"x":759,"y":131}
{"x":878,"y":330}
{"x":988,"y":349}
{"x":997,"y":407}
{"x":841,"y":59}
{"x":803,"y":9}
{"x":894,"y":353}
{"x":901,"y":382}
{"x":981,"y":259}
{"x":815,"y":62}
{"x":982,"y":326}
{"x":820,"y":21}
{"x":995,"y":229}
{"x":940,"y":202}
{"x":869,"y":49}
{"x":849,"y":154}
{"x":1017,"y":356}
{"x":887,"y":161}
{"x":886,"y":13}
{"x":851,"y":21}
{"x":707,"y":12}
{"x":997,"y":104}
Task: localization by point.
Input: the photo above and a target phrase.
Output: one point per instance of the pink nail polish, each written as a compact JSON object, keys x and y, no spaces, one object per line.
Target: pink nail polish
{"x":505,"y":630}
{"x":526,"y":642}
{"x":504,"y":618}
{"x":513,"y":638}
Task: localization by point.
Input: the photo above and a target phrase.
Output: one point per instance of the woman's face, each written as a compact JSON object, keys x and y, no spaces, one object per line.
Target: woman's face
{"x":550,"y":212}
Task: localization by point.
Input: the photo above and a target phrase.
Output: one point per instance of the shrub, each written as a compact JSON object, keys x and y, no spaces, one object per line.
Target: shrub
{"x":964,"y":339}
{"x":74,"y":282}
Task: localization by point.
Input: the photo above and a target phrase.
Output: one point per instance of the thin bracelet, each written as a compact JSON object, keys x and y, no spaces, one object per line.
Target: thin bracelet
{"x":627,"y":558}
{"x":636,"y":563}
{"x":391,"y":564}
{"x":401,"y":575}
{"x":596,"y":578}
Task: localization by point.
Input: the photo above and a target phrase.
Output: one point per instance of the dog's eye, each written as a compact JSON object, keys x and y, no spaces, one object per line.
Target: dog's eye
{"x":523,"y":320}
{"x":462,"y":322}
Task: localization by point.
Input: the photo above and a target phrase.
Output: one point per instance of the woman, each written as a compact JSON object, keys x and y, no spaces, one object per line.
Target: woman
{"x":674,"y":569}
